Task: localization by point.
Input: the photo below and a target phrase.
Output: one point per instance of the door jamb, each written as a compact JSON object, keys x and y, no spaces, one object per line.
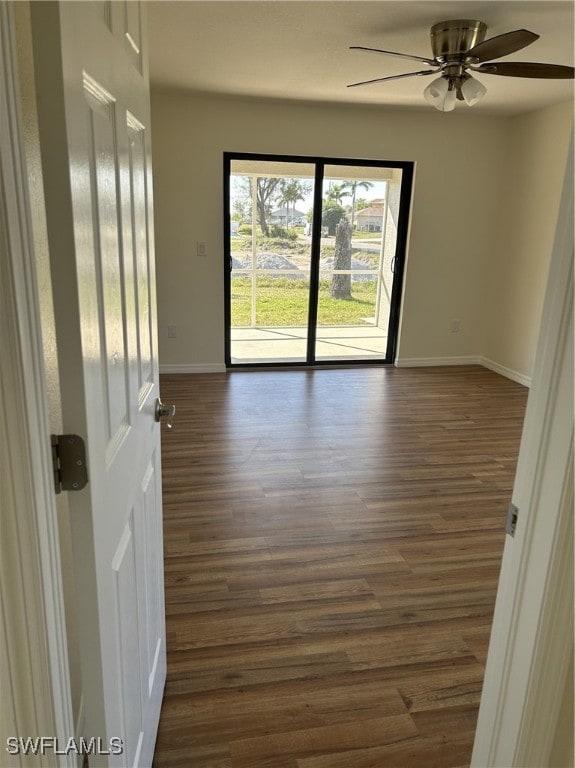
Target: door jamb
{"x":533,"y":619}
{"x":33,"y":618}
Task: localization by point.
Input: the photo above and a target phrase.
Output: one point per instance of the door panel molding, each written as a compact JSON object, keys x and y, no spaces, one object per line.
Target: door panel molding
{"x":95,"y":143}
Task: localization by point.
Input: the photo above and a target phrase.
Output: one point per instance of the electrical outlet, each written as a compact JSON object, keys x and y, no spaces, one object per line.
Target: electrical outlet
{"x":172,"y":332}
{"x":455,"y":326}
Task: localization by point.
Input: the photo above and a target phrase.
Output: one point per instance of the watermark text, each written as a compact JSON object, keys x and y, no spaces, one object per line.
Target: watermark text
{"x":43,"y":745}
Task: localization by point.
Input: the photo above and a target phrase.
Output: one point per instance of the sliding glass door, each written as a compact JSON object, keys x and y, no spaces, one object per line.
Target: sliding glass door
{"x":358,"y":247}
{"x":314,"y":259}
{"x":269,"y":260}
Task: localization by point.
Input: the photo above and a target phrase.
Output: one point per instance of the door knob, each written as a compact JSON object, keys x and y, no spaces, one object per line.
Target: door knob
{"x":165,"y":410}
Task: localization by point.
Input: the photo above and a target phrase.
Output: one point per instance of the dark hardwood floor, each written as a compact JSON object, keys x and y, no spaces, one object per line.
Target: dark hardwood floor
{"x":333,"y":541}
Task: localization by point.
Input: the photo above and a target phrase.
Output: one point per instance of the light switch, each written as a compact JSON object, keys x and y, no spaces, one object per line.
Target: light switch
{"x":201,"y":248}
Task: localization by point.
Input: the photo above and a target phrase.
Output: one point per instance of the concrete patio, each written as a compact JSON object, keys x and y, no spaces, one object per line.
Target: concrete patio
{"x":276,"y":345}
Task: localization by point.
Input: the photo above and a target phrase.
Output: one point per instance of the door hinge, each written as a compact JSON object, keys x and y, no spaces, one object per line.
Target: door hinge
{"x":69,"y":463}
{"x":511,"y":523}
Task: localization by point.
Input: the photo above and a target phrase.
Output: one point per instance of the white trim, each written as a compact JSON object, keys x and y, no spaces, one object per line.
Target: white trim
{"x":547,"y":681}
{"x":80,"y":718}
{"x":532,"y":634}
{"x":35,"y":627}
{"x":425,"y":362}
{"x":509,"y":373}
{"x":410,"y":362}
{"x":193,"y":368}
{"x":420,"y":362}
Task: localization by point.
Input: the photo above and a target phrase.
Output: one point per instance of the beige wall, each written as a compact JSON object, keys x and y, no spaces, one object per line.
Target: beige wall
{"x":539,"y":142}
{"x":474,"y":175}
{"x":457,"y":156}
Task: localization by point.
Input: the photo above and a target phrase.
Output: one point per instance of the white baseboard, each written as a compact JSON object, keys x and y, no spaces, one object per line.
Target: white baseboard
{"x":418,"y":362}
{"x":520,"y":378}
{"x":406,"y":362}
{"x":193,"y":368}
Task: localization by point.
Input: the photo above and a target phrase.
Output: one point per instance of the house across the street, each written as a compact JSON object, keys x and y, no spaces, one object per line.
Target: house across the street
{"x":370,"y":219}
{"x":285,"y":216}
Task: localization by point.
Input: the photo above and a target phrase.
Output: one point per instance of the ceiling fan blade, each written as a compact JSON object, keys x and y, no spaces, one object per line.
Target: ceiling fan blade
{"x":527,"y":69}
{"x":394,"y":77}
{"x":501,"y":45}
{"x":431,"y":62}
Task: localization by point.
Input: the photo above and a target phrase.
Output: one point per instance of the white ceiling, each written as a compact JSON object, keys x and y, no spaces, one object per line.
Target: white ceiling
{"x":299,"y":49}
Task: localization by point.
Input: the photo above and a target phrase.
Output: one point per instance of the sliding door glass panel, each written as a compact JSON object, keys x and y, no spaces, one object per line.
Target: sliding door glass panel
{"x":270,"y":246}
{"x":358,"y":247}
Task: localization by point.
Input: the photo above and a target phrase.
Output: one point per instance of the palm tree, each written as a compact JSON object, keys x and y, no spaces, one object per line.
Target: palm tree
{"x":351,"y":188}
{"x":292,"y":191}
{"x":341,"y":284}
{"x":336,"y":192}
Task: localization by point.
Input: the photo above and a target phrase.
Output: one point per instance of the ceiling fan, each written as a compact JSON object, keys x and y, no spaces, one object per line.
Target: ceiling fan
{"x":459,"y":47}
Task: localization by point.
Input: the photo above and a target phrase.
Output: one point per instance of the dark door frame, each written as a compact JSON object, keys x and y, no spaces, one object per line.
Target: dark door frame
{"x":407,"y":168}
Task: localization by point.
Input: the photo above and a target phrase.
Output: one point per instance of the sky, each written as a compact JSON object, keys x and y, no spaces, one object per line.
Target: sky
{"x":375,"y":192}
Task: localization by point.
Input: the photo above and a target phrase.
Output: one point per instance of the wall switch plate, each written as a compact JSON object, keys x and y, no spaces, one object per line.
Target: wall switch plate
{"x":172,"y":332}
{"x":454,"y":326}
{"x":201,"y":248}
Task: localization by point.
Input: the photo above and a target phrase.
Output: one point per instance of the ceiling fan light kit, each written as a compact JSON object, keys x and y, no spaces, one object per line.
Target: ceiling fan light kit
{"x":441,"y":94}
{"x":472,"y":90}
{"x":459,"y":47}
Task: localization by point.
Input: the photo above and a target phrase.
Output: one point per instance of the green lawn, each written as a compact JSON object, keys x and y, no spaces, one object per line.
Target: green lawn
{"x":283,"y":302}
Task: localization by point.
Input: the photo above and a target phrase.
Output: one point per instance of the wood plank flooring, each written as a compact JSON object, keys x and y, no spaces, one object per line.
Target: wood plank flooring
{"x":333,"y":540}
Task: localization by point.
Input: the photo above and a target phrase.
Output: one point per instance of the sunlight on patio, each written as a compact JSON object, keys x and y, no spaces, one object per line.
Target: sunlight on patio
{"x":268,"y":345}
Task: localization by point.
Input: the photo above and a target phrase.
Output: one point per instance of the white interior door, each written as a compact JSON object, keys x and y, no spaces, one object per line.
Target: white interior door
{"x":94,"y":116}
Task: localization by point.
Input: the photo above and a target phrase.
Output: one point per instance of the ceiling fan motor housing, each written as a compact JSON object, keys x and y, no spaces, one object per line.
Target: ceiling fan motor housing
{"x":458,"y":46}
{"x":452,"y":39}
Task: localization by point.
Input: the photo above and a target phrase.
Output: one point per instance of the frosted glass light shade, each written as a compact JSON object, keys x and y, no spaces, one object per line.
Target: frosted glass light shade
{"x":441,"y":93}
{"x":449,"y":101}
{"x":472,"y":91}
{"x":436,"y":91}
